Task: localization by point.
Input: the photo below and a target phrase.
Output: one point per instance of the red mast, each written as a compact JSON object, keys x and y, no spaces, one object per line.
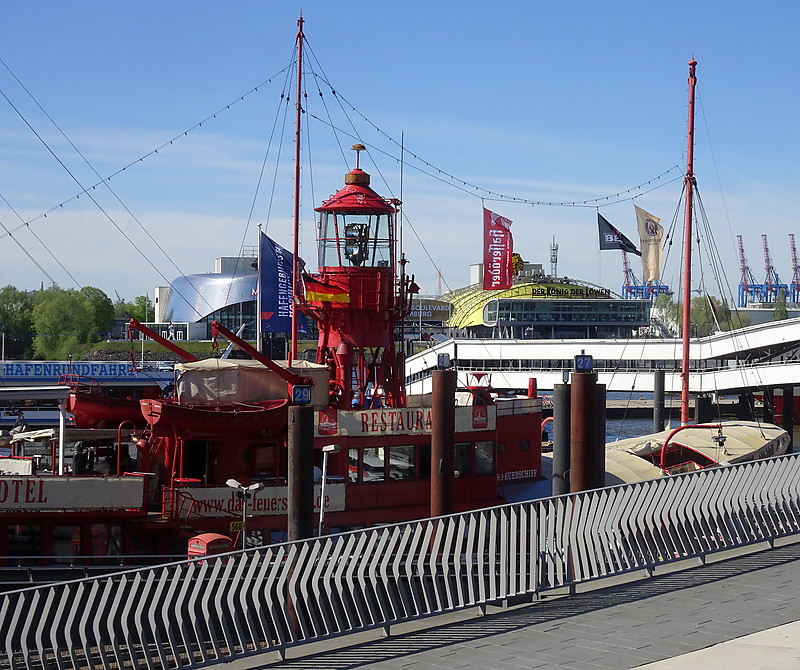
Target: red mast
{"x":687,"y":247}
{"x":295,"y":262}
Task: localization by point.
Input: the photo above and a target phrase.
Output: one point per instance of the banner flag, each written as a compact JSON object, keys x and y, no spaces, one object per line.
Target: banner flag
{"x":317,"y":291}
{"x":274,"y":287}
{"x":611,"y":238}
{"x":650,"y":235}
{"x":498,"y":246}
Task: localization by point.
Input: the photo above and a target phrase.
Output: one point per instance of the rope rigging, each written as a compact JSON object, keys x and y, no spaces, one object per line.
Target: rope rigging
{"x":405,"y":158}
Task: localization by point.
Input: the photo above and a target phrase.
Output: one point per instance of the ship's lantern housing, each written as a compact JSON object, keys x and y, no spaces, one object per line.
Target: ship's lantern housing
{"x":356,"y":227}
{"x":356,"y":298}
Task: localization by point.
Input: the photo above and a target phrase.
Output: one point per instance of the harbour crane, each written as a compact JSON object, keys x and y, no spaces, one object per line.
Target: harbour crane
{"x":794,"y":287}
{"x":749,"y":289}
{"x":633,"y":289}
{"x":630,"y":284}
{"x":772,"y":282}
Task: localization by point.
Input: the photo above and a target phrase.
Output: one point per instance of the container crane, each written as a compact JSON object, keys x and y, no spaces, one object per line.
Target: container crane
{"x":794,"y":287}
{"x":633,"y":289}
{"x":629,"y":282}
{"x":748,"y":287}
{"x":772,"y":282}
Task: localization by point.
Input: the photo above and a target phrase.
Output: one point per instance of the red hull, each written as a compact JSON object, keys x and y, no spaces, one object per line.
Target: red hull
{"x":777,"y":409}
{"x":168,"y":418}
{"x":95,"y":411}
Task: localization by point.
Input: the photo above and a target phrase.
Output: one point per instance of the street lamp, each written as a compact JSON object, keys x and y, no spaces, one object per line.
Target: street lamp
{"x":244,"y":493}
{"x":327,"y":449}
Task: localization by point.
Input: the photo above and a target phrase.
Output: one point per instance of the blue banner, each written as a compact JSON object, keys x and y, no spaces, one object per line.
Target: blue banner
{"x":275,"y":287}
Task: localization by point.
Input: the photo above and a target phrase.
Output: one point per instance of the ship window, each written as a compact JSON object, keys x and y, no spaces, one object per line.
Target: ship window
{"x":484,"y":457}
{"x":401,"y":463}
{"x":373,"y":465}
{"x":424,"y":464}
{"x":264,"y":460}
{"x":352,"y":469}
{"x":24,"y":540}
{"x":463,"y":458}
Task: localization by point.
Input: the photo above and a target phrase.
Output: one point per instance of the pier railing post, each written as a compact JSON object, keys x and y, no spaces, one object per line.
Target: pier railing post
{"x":443,"y":428}
{"x":561,"y":441}
{"x":300,"y":516}
{"x":583,"y":451}
{"x":788,"y":414}
{"x":658,"y":400}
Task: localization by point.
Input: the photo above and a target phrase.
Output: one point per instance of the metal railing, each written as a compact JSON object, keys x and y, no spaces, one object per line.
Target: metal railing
{"x":208,"y":610}
{"x":18,"y":572}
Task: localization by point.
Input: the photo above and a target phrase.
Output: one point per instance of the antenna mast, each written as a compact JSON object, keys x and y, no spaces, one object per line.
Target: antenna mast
{"x":689,"y":182}
{"x":295,"y":261}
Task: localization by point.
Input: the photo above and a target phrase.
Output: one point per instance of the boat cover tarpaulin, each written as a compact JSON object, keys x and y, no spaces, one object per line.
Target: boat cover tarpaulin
{"x":744,"y":440}
{"x":216,"y":381}
{"x":625,"y":468}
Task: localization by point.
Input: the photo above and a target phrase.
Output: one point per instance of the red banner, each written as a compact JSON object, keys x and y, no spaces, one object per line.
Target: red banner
{"x":498,"y":246}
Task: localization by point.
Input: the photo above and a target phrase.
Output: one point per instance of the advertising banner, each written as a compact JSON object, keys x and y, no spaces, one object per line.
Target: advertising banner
{"x":611,"y":238}
{"x":498,"y":246}
{"x":275,"y":287}
{"x":650,"y":235}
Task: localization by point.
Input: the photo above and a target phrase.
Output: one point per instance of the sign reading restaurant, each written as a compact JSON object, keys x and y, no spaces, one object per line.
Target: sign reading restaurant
{"x":400,"y":421}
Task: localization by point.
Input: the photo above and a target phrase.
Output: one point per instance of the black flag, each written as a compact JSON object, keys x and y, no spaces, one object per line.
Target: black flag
{"x":611,"y":238}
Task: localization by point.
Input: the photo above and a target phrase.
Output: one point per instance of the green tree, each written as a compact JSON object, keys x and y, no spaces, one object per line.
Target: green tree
{"x":16,"y":323}
{"x":67,"y":320}
{"x":780,"y":313}
{"x":103,"y":312}
{"x":122,"y":308}
{"x":142,"y":309}
{"x":708,"y":314}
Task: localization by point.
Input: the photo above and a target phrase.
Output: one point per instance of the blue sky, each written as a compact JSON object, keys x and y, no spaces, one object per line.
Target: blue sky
{"x":546,"y":102}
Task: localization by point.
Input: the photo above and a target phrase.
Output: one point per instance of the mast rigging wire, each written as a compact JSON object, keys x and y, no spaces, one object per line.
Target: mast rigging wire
{"x":77,"y":181}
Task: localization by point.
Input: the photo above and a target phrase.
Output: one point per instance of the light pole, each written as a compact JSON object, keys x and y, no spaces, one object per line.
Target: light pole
{"x":327,"y":449}
{"x":244,"y":493}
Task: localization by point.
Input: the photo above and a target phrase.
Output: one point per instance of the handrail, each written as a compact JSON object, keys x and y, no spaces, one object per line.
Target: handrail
{"x":718,"y":426}
{"x":245,"y":602}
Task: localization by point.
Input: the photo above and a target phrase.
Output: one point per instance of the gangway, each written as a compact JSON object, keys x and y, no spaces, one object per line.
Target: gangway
{"x":751,"y":358}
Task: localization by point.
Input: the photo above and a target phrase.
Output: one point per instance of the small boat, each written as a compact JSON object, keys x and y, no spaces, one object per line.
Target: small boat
{"x":97,"y":406}
{"x":696,"y":447}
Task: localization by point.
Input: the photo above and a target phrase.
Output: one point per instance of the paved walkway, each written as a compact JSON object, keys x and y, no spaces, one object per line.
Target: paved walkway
{"x":736,"y":613}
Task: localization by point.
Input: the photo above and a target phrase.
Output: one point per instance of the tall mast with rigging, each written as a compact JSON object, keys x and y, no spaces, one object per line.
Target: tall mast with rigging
{"x":687,"y":250}
{"x":296,"y":217}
